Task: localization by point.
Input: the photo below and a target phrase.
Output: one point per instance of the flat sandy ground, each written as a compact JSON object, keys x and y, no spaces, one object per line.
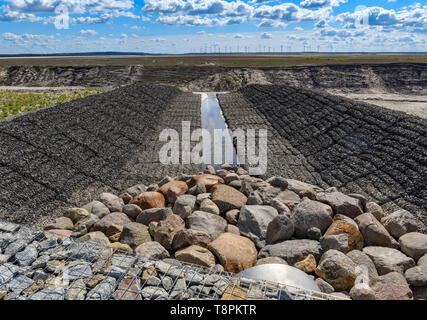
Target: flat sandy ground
{"x":411,"y":104}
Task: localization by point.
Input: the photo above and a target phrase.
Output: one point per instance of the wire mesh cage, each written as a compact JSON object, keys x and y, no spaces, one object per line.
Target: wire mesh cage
{"x":42,"y":267}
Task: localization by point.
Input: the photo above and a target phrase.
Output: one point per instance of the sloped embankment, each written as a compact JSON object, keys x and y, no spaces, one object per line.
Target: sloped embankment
{"x":63,"y":156}
{"x":335,"y":142}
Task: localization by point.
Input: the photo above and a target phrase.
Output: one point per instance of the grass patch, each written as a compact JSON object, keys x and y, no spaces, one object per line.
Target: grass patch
{"x":13,"y":102}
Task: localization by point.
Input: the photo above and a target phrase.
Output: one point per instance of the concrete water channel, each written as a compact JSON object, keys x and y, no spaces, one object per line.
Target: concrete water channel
{"x":214,"y":125}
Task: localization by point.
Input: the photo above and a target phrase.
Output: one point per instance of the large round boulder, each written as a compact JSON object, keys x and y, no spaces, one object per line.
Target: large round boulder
{"x":154,"y":214}
{"x":311,"y":214}
{"x":414,"y":244}
{"x":115,"y":218}
{"x":235,"y":253}
{"x":227,"y":198}
{"x":337,"y":269}
{"x":207,"y":222}
{"x":389,"y":260}
{"x":399,"y":223}
{"x":187,"y":237}
{"x":134,"y":234}
{"x":196,"y":255}
{"x":253,"y":222}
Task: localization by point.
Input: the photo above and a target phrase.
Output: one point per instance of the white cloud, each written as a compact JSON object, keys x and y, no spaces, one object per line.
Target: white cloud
{"x":266,"y":35}
{"x":89,"y":32}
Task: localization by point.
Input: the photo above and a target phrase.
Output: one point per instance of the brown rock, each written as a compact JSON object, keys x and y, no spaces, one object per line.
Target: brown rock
{"x":61,"y":223}
{"x":227,"y":198}
{"x":165,"y":230}
{"x":115,"y":218}
{"x":308,"y":265}
{"x":207,"y":179}
{"x":113,"y":229}
{"x":355,"y":238}
{"x":58,"y":234}
{"x":235,"y":253}
{"x":151,"y":251}
{"x":374,"y":233}
{"x":126,"y":197}
{"x":232,"y":216}
{"x":187,"y":237}
{"x":121,"y":246}
{"x":392,"y":286}
{"x":148,"y":200}
{"x":129,"y":289}
{"x":271,"y":260}
{"x":181,"y":186}
{"x":232,"y":229}
{"x":97,"y":237}
{"x":414,"y":244}
{"x":375,"y":210}
{"x":311,"y":194}
{"x":196,"y":255}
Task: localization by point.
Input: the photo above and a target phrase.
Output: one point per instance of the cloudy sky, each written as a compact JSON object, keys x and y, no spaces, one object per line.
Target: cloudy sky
{"x":194,"y":26}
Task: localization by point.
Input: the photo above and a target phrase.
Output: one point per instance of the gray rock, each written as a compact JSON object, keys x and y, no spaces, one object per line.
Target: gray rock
{"x":18,"y":284}
{"x":61,"y":223}
{"x":375,"y":209}
{"x":374,"y":234}
{"x":75,"y":214}
{"x":208,"y":205}
{"x":337,"y":269}
{"x":40,"y":275}
{"x":77,"y":271}
{"x":420,"y":293}
{"x":414,"y":244}
{"x":281,"y":228}
{"x":392,"y":286}
{"x":4,"y":258}
{"x":423,"y":260}
{"x":184,"y":205}
{"x":40,"y":262}
{"x":5,"y":239}
{"x":232,"y":216}
{"x":255,"y":199}
{"x":198,"y":189}
{"x":417,"y":276}
{"x":341,"y":204}
{"x":202,"y":197}
{"x":27,"y":256}
{"x":112,"y":202}
{"x":9,"y":226}
{"x":363,"y":200}
{"x":102,"y":290}
{"x":298,"y":186}
{"x":132,"y":210}
{"x":116,"y":218}
{"x":253,"y":222}
{"x":47,"y":244}
{"x":336,"y":242}
{"x":56,"y":293}
{"x":151,"y":251}
{"x":15,"y":247}
{"x":362,"y":259}
{"x":167,"y":283}
{"x":153,"y":293}
{"x":314,"y":234}
{"x":134,"y":234}
{"x":210,"y":223}
{"x":292,"y":250}
{"x":362,"y":291}
{"x":154,"y":214}
{"x":230,"y":178}
{"x":288,"y":197}
{"x":124,"y":261}
{"x":136,"y":190}
{"x":399,"y":223}
{"x":388,"y":260}
{"x":88,"y":222}
{"x":236,"y":184}
{"x":97,"y":208}
{"x":324,"y":286}
{"x":115,"y":272}
{"x":309,"y":214}
{"x":278,"y":182}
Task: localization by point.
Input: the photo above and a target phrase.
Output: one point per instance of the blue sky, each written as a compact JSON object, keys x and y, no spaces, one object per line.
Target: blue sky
{"x":184,"y":26}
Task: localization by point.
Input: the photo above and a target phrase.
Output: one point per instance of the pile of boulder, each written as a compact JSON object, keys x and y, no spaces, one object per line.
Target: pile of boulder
{"x":228,"y":220}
